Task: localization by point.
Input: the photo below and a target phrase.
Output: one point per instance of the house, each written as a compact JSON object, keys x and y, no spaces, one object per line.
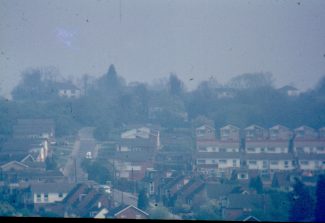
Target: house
{"x":20,"y":148}
{"x":34,"y":129}
{"x":46,"y":193}
{"x":193,"y":188}
{"x":269,"y":161}
{"x":267,"y":146}
{"x":289,"y":90}
{"x":316,"y":146}
{"x":280,"y":132}
{"x":311,"y":162}
{"x":225,"y":92}
{"x":132,"y":165}
{"x":218,"y":146}
{"x":205,"y":132}
{"x":173,"y":160}
{"x":305,"y":133}
{"x":230,"y":133}
{"x":251,"y":218}
{"x":143,"y":132}
{"x":220,"y":163}
{"x":67,"y":90}
{"x":86,"y":200}
{"x":127,"y":212}
{"x":255,"y":132}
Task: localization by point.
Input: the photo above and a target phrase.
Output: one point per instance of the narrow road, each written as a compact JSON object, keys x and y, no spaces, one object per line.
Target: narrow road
{"x":85,"y":143}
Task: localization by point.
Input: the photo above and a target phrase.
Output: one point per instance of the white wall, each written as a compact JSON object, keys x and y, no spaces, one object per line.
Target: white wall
{"x":52,"y":197}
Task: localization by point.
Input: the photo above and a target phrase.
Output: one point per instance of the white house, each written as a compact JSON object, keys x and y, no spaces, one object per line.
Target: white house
{"x":309,"y":146}
{"x":311,"y":161}
{"x":45,"y":193}
{"x":266,"y":161}
{"x":289,"y":90}
{"x":267,"y":146}
{"x":68,"y":90}
{"x":218,"y":146}
{"x":225,"y":160}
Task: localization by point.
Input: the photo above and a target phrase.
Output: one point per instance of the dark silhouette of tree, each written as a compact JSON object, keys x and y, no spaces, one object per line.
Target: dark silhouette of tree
{"x":143,"y":201}
{"x":175,"y":85}
{"x":251,"y":80}
{"x":275,"y":182}
{"x":320,"y":199}
{"x":302,"y":204}
{"x":257,"y":184}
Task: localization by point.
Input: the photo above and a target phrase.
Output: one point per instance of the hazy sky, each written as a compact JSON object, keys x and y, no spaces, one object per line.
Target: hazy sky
{"x":148,"y":39}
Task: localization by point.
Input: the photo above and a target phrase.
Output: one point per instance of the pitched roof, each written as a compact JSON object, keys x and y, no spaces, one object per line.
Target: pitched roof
{"x":277,"y":127}
{"x":130,"y":206}
{"x":62,"y":187}
{"x":288,"y":88}
{"x":229,"y":127}
{"x":252,"y":127}
{"x":217,"y":190}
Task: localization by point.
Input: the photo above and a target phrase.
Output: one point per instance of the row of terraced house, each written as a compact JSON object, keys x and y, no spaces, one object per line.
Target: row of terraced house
{"x":256,"y":148}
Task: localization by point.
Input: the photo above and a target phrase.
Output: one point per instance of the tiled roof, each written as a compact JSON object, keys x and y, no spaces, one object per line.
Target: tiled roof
{"x":51,"y":187}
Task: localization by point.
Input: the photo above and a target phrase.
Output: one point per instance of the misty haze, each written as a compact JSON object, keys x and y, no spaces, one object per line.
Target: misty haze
{"x":191,"y":110}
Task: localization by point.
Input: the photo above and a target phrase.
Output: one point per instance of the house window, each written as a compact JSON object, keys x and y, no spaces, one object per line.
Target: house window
{"x":234,"y":163}
{"x":223,"y":150}
{"x":286,"y":164}
{"x":213,"y":161}
{"x":46,"y":197}
{"x":252,"y":162}
{"x":250,"y":149}
{"x":60,"y":195}
{"x":38,"y":197}
{"x":222,"y":161}
{"x":304,"y":162}
{"x":271,"y":149}
{"x":201,"y":161}
{"x":265,"y":164}
{"x":274,"y":162}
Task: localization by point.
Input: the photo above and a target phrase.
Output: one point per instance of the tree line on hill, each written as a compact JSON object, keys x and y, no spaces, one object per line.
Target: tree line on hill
{"x":109,"y":103}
